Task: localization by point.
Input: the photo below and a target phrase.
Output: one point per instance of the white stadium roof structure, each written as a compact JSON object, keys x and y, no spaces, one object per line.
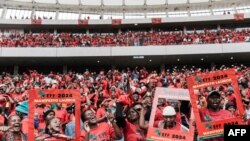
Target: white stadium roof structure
{"x":119,"y":9}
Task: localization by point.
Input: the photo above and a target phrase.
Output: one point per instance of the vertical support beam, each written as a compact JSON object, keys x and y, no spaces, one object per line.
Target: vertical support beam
{"x":87,"y":31}
{"x":65,"y":69}
{"x":166,"y":3}
{"x":123,"y":14}
{"x":55,"y":31}
{"x":162,"y":68}
{"x":57,"y":15}
{"x":184,"y":29}
{"x":210,"y":7}
{"x":3,"y":16}
{"x":218,"y":27}
{"x":212,"y":66}
{"x":16,"y":69}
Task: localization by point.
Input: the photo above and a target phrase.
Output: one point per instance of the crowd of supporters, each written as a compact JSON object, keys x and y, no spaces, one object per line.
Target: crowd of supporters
{"x":118,"y":101}
{"x":129,"y":38}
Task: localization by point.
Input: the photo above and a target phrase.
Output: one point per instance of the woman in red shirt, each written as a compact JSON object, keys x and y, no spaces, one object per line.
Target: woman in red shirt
{"x":53,"y":131}
{"x":14,"y":130}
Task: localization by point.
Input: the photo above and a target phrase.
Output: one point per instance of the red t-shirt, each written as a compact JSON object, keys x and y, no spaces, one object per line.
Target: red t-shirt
{"x":2,"y":120}
{"x":214,"y":116}
{"x":25,"y":125}
{"x":133,"y":132}
{"x":100,"y":113}
{"x":103,"y":132}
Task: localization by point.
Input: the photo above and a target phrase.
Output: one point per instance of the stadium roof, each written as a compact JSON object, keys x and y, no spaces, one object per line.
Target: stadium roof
{"x":122,"y":9}
{"x":118,"y":2}
{"x":122,"y":5}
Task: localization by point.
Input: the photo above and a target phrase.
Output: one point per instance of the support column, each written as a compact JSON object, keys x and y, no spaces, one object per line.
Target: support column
{"x":55,"y":31}
{"x":16,"y":68}
{"x":162,"y":68}
{"x":4,"y":12}
{"x":218,"y":27}
{"x":65,"y":69}
{"x":87,"y":31}
{"x":57,"y":15}
{"x":212,"y":66}
{"x":185,"y":29}
{"x":119,"y":30}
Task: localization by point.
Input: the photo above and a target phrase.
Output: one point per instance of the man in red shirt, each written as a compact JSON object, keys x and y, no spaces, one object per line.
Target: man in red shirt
{"x":99,"y":132}
{"x":213,"y":112}
{"x":169,"y":120}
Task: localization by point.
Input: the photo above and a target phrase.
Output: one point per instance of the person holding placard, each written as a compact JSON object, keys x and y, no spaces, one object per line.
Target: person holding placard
{"x":169,"y":120}
{"x":213,"y":112}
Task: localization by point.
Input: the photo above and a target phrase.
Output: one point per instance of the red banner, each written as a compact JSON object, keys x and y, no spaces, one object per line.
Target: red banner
{"x":83,"y":22}
{"x":50,"y":97}
{"x":218,"y":82}
{"x":156,"y":20}
{"x":239,"y":16}
{"x":36,"y":21}
{"x":159,"y":134}
{"x":116,"y":21}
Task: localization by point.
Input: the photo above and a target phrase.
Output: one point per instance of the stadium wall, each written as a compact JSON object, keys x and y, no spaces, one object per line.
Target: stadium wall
{"x":125,"y":51}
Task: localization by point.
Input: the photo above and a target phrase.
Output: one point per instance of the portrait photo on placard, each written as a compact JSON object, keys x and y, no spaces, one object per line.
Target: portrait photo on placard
{"x":171,"y":117}
{"x":54,"y":115}
{"x":216,"y":101}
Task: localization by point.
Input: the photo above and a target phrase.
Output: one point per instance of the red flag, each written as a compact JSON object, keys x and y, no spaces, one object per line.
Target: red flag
{"x":116,"y":21}
{"x":36,"y":21}
{"x":156,"y":20}
{"x":83,"y":22}
{"x":239,"y":17}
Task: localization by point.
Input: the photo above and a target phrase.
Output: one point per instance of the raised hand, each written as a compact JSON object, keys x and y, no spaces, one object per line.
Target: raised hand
{"x":86,"y":126}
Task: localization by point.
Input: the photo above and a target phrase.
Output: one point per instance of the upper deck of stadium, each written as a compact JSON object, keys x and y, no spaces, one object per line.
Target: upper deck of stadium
{"x":118,"y":9}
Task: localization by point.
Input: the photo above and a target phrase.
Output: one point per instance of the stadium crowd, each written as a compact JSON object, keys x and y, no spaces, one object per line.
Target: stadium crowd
{"x":129,"y":38}
{"x":119,"y":101}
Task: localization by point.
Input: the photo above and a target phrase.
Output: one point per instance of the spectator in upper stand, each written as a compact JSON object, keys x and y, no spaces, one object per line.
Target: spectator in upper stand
{"x":130,"y":38}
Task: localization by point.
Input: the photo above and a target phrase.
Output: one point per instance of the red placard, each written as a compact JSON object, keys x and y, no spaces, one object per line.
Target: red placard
{"x":239,"y":16}
{"x":209,"y":126}
{"x":83,"y":22}
{"x":156,"y":20}
{"x":116,"y":21}
{"x":157,"y":134}
{"x":50,"y":97}
{"x":36,"y":21}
